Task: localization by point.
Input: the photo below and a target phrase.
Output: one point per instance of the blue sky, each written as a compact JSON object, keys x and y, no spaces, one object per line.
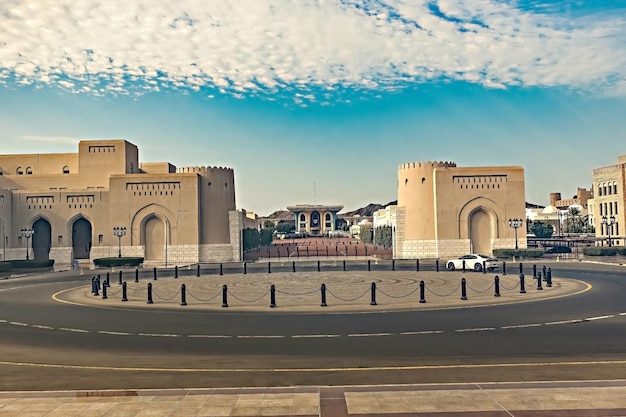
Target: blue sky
{"x":332,"y":93}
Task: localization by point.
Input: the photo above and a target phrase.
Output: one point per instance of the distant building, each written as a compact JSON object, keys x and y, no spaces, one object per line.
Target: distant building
{"x":444,"y":210}
{"x":609,"y":202}
{"x":73,"y":201}
{"x":315,"y":219}
{"x":581,"y":198}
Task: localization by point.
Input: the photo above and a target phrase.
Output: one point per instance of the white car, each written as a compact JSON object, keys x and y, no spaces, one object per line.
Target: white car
{"x":473,"y":262}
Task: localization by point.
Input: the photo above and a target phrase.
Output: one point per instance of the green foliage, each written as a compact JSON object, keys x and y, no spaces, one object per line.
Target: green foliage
{"x":5,"y":266}
{"x":541,"y":229}
{"x":604,"y":251}
{"x":517,"y":253}
{"x":31,"y":263}
{"x":111,"y":262}
{"x":284,"y":227}
{"x":366,"y":234}
{"x":384,"y":236}
{"x":268,"y":224}
{"x":253,"y":238}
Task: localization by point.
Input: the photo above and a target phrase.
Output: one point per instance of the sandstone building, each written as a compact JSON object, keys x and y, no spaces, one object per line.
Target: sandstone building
{"x":445,"y":211}
{"x":315,"y":219}
{"x":73,"y":201}
{"x":609,"y":201}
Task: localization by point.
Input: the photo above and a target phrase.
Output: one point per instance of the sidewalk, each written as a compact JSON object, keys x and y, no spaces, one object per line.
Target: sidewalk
{"x":538,"y":399}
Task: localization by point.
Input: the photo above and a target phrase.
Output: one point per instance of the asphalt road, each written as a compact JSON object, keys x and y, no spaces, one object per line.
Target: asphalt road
{"x":49,"y":345}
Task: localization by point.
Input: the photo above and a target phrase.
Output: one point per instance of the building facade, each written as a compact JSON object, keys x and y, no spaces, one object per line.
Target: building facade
{"x":73,"y":201}
{"x":609,"y":201}
{"x":581,"y":198}
{"x":315,"y":219}
{"x":445,"y":211}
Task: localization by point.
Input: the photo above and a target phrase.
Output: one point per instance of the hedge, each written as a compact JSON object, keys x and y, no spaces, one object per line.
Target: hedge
{"x":604,"y":251}
{"x":31,"y":263}
{"x":111,"y":262}
{"x":5,"y":266}
{"x":517,"y":253}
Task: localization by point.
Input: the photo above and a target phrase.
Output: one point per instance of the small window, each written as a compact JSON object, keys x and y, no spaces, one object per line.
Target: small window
{"x":60,"y":239}
{"x":29,"y":171}
{"x":19,"y":171}
{"x":100,"y":239}
{"x":66,"y":169}
{"x":614,"y":187}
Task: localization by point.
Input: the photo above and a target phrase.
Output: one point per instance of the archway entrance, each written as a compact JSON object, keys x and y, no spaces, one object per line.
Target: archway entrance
{"x":81,"y":238}
{"x":42,"y":239}
{"x":480,"y":232}
{"x":154,"y":239}
{"x":315,"y":223}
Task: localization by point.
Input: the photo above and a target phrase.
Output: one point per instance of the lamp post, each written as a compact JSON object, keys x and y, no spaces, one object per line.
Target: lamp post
{"x":27,"y":233}
{"x":516,"y":223}
{"x":119,"y":232}
{"x":608,"y":222}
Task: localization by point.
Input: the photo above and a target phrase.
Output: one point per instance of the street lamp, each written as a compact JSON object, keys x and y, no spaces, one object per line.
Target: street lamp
{"x":27,"y":233}
{"x":516,"y":223}
{"x":119,"y":232}
{"x":608,"y":222}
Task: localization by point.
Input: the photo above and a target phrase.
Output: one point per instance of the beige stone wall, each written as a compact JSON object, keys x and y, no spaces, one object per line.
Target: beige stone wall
{"x":108,"y":187}
{"x":604,"y":202}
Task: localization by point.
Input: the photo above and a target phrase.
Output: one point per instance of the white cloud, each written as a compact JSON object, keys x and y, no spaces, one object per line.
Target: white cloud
{"x":243,"y":47}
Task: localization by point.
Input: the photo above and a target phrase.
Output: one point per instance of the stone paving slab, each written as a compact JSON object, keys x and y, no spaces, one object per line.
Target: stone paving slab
{"x":600,"y":398}
{"x":345,"y":291}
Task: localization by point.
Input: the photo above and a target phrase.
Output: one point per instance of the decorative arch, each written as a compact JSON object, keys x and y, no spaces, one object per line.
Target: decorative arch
{"x":81,"y":231}
{"x":490,"y":207}
{"x":42,"y":238}
{"x":139,"y":218}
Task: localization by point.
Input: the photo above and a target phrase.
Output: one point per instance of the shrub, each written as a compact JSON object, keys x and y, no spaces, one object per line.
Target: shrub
{"x":5,"y":266}
{"x":517,"y":253}
{"x":31,"y":263}
{"x":111,"y":262}
{"x":604,"y":251}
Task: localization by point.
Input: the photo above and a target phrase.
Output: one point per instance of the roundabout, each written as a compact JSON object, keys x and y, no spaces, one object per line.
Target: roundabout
{"x":58,"y":335}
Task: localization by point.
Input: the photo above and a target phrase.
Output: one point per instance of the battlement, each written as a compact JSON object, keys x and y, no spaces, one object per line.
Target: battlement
{"x":203,"y":170}
{"x":427,"y":164}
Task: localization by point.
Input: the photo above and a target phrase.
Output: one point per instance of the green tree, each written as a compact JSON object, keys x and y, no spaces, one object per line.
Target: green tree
{"x":284,"y":227}
{"x":542,"y":229}
{"x":268,"y":224}
{"x":384,"y":236}
{"x":366,"y":233}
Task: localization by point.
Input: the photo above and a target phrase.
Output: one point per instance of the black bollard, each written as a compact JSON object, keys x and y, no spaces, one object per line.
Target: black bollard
{"x":107,"y":280}
{"x":393,"y":264}
{"x":323,"y":291}
{"x":365,"y":251}
{"x":496,"y":282}
{"x":269,"y":267}
{"x":437,"y":265}
{"x":373,"y":291}
{"x":198,"y":270}
{"x":96,"y":288}
{"x":549,"y":278}
{"x":120,"y":280}
{"x":463,"y":289}
{"x":318,"y":266}
{"x":521,"y":268}
{"x":149,"y":293}
{"x":307,"y":251}
{"x":176,"y":271}
{"x":272,"y":296}
{"x":369,"y":265}
{"x":104,"y":292}
{"x":327,"y":251}
{"x":183,"y":295}
{"x":136,"y":274}
{"x":124,"y":292}
{"x":154,"y":274}
{"x":245,"y":268}
{"x":93,"y":285}
{"x":534,"y":271}
{"x":539,"y":287}
{"x":463,"y":265}
{"x":224,"y":296}
{"x":484,"y":267}
{"x":422,"y":292}
{"x":522,"y":288}
{"x":221,"y":269}
{"x":545,"y":276}
{"x":344,"y":265}
{"x":417,"y":265}
{"x":293,"y":266}
{"x":503,"y":267}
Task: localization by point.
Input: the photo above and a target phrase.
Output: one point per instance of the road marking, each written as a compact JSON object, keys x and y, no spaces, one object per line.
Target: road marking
{"x":554,"y":323}
{"x":599,"y":317}
{"x":210,"y":336}
{"x":115,"y":333}
{"x":521,"y":326}
{"x":477,"y":329}
{"x":3,"y":321}
{"x":369,"y":334}
{"x":622,"y":314}
{"x":17,"y":323}
{"x":39,"y":326}
{"x":310,"y":370}
{"x":261,"y":337}
{"x":73,"y":330}
{"x":422,"y":332}
{"x":312,"y":336}
{"x":158,"y":335}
